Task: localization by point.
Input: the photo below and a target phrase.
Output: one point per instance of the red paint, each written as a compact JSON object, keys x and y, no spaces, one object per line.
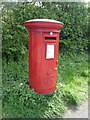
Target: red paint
{"x":42,"y":71}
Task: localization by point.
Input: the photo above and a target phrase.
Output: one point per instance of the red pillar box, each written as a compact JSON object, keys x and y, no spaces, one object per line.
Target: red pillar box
{"x":43,"y":54}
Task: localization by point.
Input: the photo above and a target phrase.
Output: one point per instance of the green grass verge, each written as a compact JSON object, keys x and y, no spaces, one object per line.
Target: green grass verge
{"x":19,"y":101}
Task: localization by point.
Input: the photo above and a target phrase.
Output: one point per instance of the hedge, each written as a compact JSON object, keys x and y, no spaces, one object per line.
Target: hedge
{"x":15,"y":35}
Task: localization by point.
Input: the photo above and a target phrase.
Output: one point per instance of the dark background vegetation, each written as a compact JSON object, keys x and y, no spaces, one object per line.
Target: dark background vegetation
{"x":74,"y":35}
{"x":19,"y":101}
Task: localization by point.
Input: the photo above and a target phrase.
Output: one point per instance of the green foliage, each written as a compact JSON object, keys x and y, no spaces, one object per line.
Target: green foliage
{"x":73,"y":73}
{"x":70,"y":97}
{"x":15,"y":35}
{"x":19,"y":101}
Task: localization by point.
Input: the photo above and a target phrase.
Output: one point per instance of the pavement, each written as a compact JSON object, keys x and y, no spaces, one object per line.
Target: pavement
{"x":77,"y":112}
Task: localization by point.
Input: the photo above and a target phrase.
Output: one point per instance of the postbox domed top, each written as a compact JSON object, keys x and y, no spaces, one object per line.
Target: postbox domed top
{"x":43,"y":20}
{"x":43,"y":23}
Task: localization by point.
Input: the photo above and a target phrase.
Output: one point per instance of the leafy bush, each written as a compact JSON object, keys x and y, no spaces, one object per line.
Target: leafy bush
{"x":15,"y":35}
{"x":19,"y":101}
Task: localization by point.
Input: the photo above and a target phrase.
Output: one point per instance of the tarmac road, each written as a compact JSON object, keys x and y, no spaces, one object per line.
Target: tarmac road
{"x":77,"y":112}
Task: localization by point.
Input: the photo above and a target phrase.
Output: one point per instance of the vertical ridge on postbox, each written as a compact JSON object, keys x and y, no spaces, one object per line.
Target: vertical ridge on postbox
{"x":43,"y":54}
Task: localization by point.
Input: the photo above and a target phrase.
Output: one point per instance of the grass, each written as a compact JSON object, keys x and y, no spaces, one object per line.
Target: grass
{"x":19,"y":101}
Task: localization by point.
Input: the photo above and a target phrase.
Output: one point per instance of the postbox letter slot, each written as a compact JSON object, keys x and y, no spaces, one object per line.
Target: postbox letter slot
{"x":51,"y":38}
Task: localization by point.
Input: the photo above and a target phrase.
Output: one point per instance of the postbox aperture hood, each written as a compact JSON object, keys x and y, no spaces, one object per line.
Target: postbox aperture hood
{"x":43,"y":23}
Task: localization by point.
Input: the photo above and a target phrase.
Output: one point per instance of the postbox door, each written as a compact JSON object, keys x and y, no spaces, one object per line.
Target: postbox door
{"x":50,"y":61}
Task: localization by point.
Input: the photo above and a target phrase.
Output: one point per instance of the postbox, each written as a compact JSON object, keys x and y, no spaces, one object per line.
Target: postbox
{"x":43,"y":54}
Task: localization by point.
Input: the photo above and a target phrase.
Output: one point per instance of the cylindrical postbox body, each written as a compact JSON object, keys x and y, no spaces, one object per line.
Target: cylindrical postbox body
{"x":43,"y":54}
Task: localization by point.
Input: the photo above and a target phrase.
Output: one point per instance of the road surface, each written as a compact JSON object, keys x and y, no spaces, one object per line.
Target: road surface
{"x":77,"y":112}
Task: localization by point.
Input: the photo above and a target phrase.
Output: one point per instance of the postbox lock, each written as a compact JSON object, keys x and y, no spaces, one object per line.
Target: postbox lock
{"x":51,"y":33}
{"x":55,"y":68}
